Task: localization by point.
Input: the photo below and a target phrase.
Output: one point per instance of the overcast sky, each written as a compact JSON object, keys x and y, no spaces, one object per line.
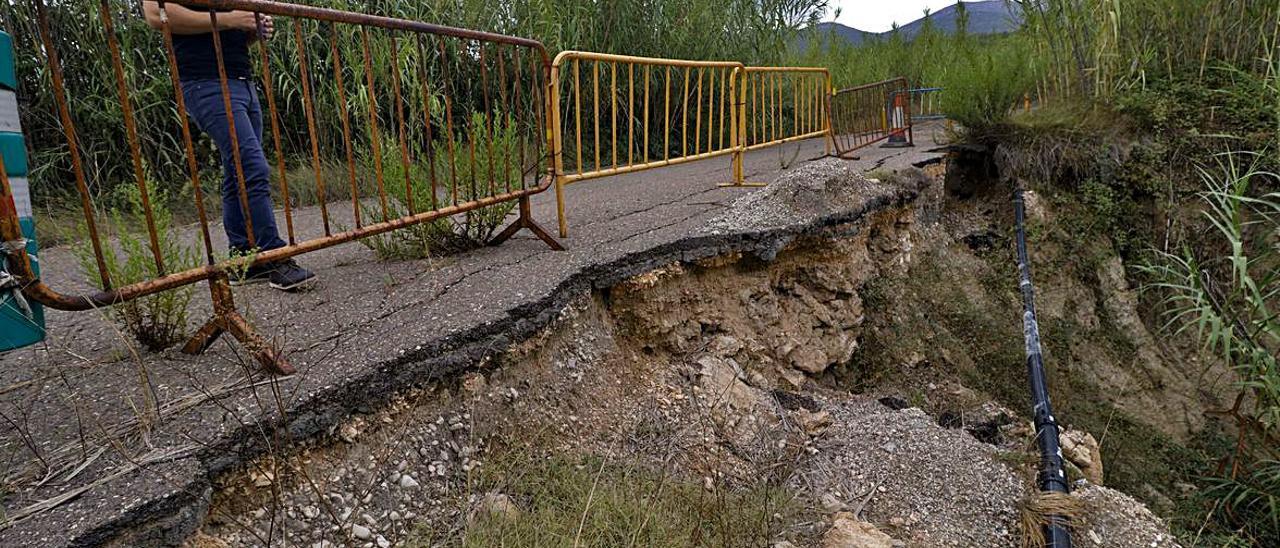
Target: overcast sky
{"x":880,"y":15}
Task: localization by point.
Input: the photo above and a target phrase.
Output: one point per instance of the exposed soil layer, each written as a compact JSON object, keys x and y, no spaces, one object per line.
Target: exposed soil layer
{"x":729,"y":371}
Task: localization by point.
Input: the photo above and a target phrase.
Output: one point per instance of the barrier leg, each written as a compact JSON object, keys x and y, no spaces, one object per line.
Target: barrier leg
{"x":226,"y":319}
{"x":564,"y":222}
{"x":525,"y":220}
{"x":738,"y":176}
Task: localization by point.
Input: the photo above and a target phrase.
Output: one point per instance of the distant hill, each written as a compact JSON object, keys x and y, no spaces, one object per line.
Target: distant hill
{"x":986,"y":17}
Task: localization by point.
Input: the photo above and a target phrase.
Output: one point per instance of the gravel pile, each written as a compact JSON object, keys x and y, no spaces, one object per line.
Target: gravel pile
{"x":801,"y":196}
{"x":923,"y":484}
{"x":1113,"y":519}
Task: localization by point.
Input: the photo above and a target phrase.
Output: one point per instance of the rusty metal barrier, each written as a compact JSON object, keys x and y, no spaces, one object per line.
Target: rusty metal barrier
{"x":866,"y":114}
{"x":672,"y":111}
{"x":428,"y":116}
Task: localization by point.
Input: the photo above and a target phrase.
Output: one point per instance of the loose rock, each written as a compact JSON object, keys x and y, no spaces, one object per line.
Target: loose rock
{"x":850,"y":532}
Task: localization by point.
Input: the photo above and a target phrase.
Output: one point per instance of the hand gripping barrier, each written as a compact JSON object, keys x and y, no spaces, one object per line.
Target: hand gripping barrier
{"x":467,"y":107}
{"x":867,"y":114}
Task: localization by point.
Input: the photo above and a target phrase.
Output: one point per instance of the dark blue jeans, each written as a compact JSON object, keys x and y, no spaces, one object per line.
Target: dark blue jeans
{"x":205,"y":105}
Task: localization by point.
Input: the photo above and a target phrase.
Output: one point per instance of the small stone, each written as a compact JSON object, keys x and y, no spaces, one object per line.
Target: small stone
{"x":310,"y":512}
{"x":348,"y":433}
{"x":383,"y":542}
{"x":726,"y":345}
{"x":889,"y":447}
{"x":496,"y":504}
{"x":813,"y":423}
{"x":473,"y":383}
{"x":1082,"y":449}
{"x":361,"y":532}
{"x":832,"y":503}
{"x":1093,"y":536}
{"x":407,"y":482}
{"x":262,"y":478}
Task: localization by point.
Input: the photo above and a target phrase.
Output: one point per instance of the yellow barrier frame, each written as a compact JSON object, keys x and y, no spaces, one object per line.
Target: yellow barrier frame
{"x":810,"y":113}
{"x":813,"y":112}
{"x":631,"y":62}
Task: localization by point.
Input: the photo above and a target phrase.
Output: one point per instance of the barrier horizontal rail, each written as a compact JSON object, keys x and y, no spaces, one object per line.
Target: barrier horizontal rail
{"x":459,"y":148}
{"x":683,"y":113}
{"x":864,"y":115}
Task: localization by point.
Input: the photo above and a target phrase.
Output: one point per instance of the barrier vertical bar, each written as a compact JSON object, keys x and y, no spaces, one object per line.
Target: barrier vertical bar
{"x":308,"y":105}
{"x":375,"y":135}
{"x":268,"y":87}
{"x":346,"y":122}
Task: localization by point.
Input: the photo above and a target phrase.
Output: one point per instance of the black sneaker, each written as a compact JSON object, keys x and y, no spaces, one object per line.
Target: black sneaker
{"x":257,"y":273}
{"x":288,"y":276}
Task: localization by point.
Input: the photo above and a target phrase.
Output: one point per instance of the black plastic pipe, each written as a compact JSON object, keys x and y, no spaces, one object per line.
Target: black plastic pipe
{"x":1052,"y":478}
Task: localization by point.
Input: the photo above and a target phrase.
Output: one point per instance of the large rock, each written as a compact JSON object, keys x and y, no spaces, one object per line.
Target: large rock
{"x":723,"y":386}
{"x":1082,"y":450}
{"x":733,"y":404}
{"x":848,"y":531}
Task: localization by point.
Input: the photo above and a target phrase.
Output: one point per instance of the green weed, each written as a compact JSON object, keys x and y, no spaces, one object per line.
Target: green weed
{"x":590,"y":502}
{"x":481,"y":162}
{"x":159,"y":320}
{"x":1224,"y":289}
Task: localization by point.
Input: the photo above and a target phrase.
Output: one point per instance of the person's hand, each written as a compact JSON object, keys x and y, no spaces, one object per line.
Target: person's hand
{"x":247,"y":21}
{"x":266,"y":27}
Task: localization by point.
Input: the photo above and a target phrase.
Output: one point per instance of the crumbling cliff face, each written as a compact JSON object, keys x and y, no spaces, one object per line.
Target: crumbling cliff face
{"x":787,"y":319}
{"x":864,"y":370}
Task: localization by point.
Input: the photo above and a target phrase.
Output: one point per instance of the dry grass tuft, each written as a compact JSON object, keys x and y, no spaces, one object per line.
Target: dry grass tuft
{"x":1036,"y":509}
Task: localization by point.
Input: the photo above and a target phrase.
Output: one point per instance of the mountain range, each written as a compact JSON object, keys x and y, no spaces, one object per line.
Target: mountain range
{"x":985,"y":17}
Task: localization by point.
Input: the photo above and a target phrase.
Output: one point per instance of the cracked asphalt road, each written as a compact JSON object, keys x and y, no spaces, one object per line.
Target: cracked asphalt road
{"x":83,"y":459}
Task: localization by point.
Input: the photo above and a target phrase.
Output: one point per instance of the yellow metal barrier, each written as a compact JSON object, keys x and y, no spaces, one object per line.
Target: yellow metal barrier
{"x":779,"y":105}
{"x":655,"y":99}
{"x":783,"y":104}
{"x":614,"y":114}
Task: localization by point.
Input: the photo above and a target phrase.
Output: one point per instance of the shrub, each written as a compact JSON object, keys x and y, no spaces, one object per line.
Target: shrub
{"x":159,"y":320}
{"x":565,"y":502}
{"x":461,"y":168}
{"x":1225,"y":288}
{"x":983,"y":84}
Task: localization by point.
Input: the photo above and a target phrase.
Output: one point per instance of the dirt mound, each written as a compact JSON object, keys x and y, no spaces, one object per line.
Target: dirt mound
{"x":1114,"y":519}
{"x":799,"y":197}
{"x":919,"y":482}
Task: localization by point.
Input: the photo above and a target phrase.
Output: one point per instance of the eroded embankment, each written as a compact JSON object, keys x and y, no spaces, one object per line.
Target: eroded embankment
{"x":723,"y":397}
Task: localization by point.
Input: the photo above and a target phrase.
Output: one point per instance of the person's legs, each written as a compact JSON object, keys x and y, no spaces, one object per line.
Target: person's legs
{"x":205,"y":103}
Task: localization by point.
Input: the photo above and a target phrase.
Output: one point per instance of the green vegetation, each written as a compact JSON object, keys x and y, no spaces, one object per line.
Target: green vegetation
{"x":482,"y":162}
{"x":155,"y":321}
{"x":1226,"y":290}
{"x":591,"y":502}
